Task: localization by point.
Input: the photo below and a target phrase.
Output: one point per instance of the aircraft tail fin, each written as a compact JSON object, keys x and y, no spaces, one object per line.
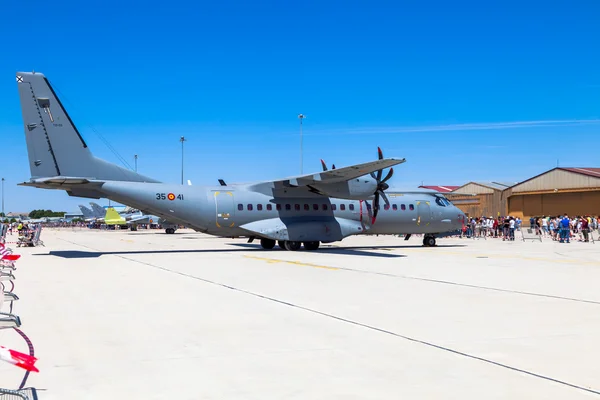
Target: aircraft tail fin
{"x":99,"y":211}
{"x":112,"y":217}
{"x":55,"y":146}
{"x":87,"y":213}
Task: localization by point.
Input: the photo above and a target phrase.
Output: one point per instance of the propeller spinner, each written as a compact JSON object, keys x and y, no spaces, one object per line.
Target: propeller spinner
{"x":381,"y":187}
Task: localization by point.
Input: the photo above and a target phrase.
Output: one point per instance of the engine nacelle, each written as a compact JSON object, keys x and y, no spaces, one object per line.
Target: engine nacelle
{"x":356,"y":189}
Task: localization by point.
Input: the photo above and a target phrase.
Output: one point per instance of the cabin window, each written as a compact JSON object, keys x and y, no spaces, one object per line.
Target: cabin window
{"x":249,"y":207}
{"x":297,"y":207}
{"x":403,"y":207}
{"x":411,"y":207}
{"x":386,"y":207}
{"x":306,"y":207}
{"x":278,"y":207}
{"x":288,"y":207}
{"x":333,"y":207}
{"x":342,"y":207}
{"x":324,"y":207}
{"x":259,"y":207}
{"x":351,"y":207}
{"x":269,"y":207}
{"x":240,"y":207}
{"x":394,"y":207}
{"x":316,"y":207}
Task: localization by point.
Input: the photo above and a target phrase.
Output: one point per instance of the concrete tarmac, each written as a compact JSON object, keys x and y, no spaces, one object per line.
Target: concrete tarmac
{"x":145,"y":315}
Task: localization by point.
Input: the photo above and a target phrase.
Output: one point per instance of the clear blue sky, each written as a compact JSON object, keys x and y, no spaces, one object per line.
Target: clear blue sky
{"x":232,"y":76}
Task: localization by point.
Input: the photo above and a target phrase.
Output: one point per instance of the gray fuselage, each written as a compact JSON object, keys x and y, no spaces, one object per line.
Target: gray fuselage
{"x":228,"y":210}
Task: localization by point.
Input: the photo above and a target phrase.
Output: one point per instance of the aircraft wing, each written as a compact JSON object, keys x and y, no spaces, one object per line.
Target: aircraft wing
{"x":338,"y":175}
{"x":143,"y":219}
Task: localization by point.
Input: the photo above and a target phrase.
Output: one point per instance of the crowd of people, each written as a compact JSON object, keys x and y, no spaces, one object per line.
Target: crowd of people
{"x":559,"y":228}
{"x":24,"y":230}
{"x":501,"y":227}
{"x":563,"y":228}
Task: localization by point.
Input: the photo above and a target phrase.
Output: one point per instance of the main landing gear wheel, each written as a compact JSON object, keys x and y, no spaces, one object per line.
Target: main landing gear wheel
{"x":170,"y":231}
{"x":292,"y":245}
{"x":311,"y":245}
{"x":281,"y":244}
{"x":267,"y":244}
{"x":429,"y":241}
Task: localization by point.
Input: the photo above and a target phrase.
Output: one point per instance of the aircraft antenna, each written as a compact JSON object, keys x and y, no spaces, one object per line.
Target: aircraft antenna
{"x":104,"y":140}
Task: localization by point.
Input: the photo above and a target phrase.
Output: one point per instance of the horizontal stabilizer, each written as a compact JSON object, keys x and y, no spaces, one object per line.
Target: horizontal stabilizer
{"x":57,"y":181}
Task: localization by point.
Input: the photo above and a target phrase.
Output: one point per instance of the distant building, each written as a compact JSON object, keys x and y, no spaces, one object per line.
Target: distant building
{"x":72,"y":215}
{"x":478,"y":199}
{"x":575,"y":191}
{"x":17,"y":215}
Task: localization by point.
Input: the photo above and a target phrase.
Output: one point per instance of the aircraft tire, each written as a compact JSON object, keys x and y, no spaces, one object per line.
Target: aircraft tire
{"x":170,"y":231}
{"x":311,"y":245}
{"x":267,"y":244}
{"x":281,"y":244}
{"x":429,"y":241}
{"x":292,"y":245}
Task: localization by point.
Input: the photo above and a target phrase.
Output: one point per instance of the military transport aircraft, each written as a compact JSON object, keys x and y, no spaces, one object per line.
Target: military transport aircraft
{"x":310,"y":209}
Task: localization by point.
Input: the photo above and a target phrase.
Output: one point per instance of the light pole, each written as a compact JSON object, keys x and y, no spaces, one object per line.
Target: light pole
{"x":182,"y":139}
{"x":301,"y":117}
{"x":135,"y":158}
{"x":3,"y":215}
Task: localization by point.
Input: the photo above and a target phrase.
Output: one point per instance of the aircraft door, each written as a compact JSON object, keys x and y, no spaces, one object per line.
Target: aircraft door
{"x":423,"y":213}
{"x":224,"y":209}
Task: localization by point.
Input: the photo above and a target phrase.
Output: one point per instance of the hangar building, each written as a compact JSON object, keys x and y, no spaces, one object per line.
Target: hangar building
{"x":477,"y":199}
{"x":575,"y":191}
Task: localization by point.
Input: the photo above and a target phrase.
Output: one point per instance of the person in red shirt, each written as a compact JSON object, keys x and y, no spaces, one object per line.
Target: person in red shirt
{"x":585,"y":229}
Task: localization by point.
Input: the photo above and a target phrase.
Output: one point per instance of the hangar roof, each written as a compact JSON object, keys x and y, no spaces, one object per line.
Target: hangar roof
{"x":585,"y":171}
{"x":441,"y":189}
{"x":561,"y":178}
{"x":482,"y":187}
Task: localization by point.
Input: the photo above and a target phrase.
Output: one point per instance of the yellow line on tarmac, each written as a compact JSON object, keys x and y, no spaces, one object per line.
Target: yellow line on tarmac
{"x":299,"y":263}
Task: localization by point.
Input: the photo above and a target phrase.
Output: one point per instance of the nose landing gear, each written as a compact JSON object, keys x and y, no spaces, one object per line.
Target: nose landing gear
{"x":429,"y":241}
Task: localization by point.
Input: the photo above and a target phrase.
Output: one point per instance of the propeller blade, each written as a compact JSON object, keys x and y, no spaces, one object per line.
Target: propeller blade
{"x":324,"y":165}
{"x":385,"y":199}
{"x":388,"y":176}
{"x":379,"y":172}
{"x":373,"y":175}
{"x":375,"y":207}
{"x":332,"y":166}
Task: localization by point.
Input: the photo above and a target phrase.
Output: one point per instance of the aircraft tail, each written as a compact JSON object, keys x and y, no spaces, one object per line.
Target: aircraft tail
{"x":55,"y":146}
{"x":87,"y":213}
{"x":112,"y":217}
{"x":99,"y":212}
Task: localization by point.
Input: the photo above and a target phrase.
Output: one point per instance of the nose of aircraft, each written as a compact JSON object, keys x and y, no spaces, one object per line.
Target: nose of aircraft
{"x":461,"y":220}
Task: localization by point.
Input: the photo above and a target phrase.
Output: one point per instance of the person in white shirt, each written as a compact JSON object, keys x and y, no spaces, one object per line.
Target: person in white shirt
{"x":512,"y":228}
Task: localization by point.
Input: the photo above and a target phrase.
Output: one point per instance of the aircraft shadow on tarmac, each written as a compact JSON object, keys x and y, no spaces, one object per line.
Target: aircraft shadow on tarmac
{"x":245,"y":248}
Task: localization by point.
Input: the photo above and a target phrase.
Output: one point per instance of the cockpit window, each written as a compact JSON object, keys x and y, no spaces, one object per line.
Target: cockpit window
{"x":442,"y":201}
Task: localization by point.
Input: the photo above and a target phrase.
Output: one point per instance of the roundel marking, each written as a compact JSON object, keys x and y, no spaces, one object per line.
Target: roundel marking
{"x":171,"y":196}
{"x":151,"y":221}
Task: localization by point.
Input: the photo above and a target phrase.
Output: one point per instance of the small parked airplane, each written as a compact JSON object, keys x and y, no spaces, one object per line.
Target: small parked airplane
{"x":310,"y":209}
